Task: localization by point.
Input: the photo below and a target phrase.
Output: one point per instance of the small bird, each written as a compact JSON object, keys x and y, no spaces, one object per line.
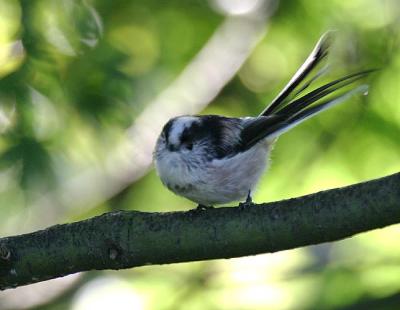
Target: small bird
{"x":213,"y":159}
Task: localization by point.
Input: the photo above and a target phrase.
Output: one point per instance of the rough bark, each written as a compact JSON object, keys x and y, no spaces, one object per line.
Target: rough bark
{"x":127,"y":239}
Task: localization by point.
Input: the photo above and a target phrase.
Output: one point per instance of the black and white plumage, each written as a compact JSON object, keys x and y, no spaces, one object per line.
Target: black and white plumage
{"x":212,"y":159}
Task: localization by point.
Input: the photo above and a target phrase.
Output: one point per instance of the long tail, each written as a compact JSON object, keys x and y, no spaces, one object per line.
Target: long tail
{"x":285,"y":113}
{"x":291,"y":119}
{"x":273,"y":125}
{"x":318,"y":53}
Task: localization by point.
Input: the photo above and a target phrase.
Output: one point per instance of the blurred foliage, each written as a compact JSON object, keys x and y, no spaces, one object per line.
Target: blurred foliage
{"x":75,"y":75}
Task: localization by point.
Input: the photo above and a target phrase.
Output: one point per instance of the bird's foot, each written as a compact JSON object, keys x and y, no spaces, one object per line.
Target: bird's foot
{"x":247,"y":203}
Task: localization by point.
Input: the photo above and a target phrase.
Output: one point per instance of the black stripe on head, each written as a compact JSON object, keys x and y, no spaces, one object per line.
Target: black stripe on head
{"x":187,"y":135}
{"x":167,"y":128}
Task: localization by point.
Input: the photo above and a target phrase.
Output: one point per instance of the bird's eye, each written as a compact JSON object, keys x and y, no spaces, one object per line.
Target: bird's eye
{"x":187,"y":141}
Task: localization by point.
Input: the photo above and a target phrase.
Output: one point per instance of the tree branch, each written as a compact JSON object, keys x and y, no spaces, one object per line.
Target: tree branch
{"x":127,"y":239}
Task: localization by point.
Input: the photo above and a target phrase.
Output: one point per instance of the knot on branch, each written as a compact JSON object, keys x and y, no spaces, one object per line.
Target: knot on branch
{"x":5,"y":253}
{"x":114,"y":250}
{"x":113,"y":253}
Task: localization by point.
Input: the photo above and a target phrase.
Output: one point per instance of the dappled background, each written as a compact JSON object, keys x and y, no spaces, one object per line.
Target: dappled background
{"x":85,"y":87}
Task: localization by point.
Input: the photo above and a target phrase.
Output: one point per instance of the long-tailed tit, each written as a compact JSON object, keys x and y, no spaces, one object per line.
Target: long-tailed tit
{"x":212,"y":159}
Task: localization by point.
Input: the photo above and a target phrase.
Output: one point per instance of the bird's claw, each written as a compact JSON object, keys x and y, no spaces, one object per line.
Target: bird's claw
{"x":247,"y":203}
{"x":203,"y":208}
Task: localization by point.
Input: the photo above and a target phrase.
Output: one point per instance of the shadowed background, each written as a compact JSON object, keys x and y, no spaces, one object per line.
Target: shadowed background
{"x":85,"y":87}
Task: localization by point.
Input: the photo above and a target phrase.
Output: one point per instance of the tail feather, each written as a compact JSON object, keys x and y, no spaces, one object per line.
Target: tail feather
{"x":313,"y":96}
{"x":271,"y":126}
{"x":305,"y":114}
{"x":284,"y":113}
{"x":319,"y":52}
{"x":320,"y":73}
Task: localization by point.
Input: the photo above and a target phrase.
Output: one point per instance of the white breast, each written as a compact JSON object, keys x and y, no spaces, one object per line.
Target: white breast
{"x":214,"y":182}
